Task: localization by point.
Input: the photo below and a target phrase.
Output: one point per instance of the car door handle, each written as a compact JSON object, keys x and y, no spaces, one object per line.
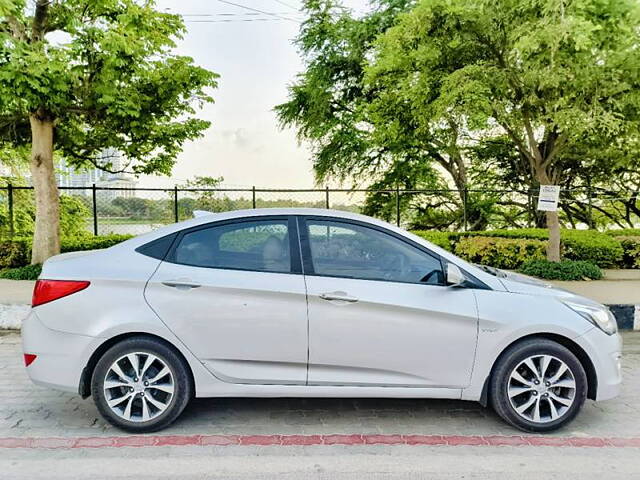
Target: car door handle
{"x":181,"y":284}
{"x":339,"y":296}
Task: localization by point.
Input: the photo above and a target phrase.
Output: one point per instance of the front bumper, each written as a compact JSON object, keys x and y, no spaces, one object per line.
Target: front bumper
{"x":605,"y":352}
{"x":60,"y":356}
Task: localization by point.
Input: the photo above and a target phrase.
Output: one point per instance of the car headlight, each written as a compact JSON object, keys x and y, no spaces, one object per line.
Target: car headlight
{"x":601,"y":317}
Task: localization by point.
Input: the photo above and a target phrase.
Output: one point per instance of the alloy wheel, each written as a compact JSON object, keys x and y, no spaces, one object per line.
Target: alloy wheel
{"x":541,"y":388}
{"x":139,"y":387}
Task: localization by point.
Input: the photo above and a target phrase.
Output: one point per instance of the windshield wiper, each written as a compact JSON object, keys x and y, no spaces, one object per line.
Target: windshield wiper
{"x":491,"y":271}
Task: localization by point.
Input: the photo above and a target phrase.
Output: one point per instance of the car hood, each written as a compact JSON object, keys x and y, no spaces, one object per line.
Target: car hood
{"x":518,"y":283}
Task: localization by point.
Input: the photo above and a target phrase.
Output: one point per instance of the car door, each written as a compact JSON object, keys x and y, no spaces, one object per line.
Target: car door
{"x":234,"y":293}
{"x":379,"y":312}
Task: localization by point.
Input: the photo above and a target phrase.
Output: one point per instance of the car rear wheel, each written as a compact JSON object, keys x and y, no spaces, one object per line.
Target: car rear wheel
{"x":141,"y":385}
{"x":538,"y":386}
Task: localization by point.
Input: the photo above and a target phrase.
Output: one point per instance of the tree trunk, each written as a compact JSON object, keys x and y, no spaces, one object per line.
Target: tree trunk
{"x":553,"y":245}
{"x":46,"y":237}
{"x":553,"y":223}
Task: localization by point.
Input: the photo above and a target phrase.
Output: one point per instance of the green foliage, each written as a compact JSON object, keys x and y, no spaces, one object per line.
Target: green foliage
{"x":564,"y":270}
{"x":30,"y":272}
{"x":589,"y":245}
{"x":478,"y":65}
{"x":508,"y":253}
{"x":441,"y":239}
{"x":74,"y":214}
{"x":142,"y":208}
{"x":92,"y":243}
{"x":115,"y":82}
{"x":624,"y":232}
{"x":14,"y":253}
{"x":436,"y":94}
{"x":17,"y":252}
{"x":631,"y":247}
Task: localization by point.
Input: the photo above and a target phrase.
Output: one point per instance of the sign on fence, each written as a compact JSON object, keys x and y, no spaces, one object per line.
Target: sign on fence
{"x":548,"y":198}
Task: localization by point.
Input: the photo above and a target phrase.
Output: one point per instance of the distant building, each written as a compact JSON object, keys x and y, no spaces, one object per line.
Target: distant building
{"x":68,"y":176}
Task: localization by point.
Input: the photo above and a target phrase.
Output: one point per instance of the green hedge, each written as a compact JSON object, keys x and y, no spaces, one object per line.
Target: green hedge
{"x":14,"y":253}
{"x":599,"y":248}
{"x":17,"y":252}
{"x":624,"y":232}
{"x":588,"y":245}
{"x":631,"y":247}
{"x":92,"y":243}
{"x":564,"y":270}
{"x":509,"y":253}
{"x":442,"y":239}
{"x":30,"y":272}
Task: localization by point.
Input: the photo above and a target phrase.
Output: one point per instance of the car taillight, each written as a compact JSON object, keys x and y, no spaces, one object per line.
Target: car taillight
{"x":49,"y":290}
{"x":29,"y":358}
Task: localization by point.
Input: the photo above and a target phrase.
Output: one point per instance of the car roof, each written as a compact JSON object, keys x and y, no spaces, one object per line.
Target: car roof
{"x":205,"y":217}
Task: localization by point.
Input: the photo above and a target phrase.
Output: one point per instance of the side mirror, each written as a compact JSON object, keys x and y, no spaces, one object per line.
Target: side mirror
{"x":455,"y":277}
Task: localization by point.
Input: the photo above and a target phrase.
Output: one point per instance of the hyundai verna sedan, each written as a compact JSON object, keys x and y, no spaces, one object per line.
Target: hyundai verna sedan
{"x":310,"y":303}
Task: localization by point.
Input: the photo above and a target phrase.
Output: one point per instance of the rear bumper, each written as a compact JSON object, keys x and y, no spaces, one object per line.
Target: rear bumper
{"x":60,"y":356}
{"x":605,"y":352}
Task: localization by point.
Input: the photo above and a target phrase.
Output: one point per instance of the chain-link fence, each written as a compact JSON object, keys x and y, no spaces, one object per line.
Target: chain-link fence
{"x":106,"y":210}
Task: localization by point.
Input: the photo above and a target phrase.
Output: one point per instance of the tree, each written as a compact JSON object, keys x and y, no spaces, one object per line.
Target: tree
{"x":548,"y":75}
{"x":385,"y":147}
{"x":327,"y":103}
{"x":80,"y":76}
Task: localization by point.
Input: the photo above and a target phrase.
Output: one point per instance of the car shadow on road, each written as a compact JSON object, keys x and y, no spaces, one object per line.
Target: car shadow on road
{"x":344,"y":415}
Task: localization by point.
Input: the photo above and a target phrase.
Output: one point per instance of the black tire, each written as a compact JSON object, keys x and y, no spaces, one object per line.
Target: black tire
{"x":510,"y":359}
{"x":182,"y":386}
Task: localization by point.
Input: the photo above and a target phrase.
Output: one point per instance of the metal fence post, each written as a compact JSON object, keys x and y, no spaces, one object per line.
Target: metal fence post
{"x":398,"y":206}
{"x":326,"y":197}
{"x":12,"y":229}
{"x":176,"y":215}
{"x":253,"y":196}
{"x":95,"y":210}
{"x":464,"y":207}
{"x":590,"y":204}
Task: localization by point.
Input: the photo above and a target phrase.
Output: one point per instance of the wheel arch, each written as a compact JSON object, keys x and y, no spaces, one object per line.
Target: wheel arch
{"x":84,"y":387}
{"x":573,"y":347}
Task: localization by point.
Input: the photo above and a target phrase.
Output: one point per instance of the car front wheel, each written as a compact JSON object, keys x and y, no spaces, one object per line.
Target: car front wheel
{"x":141,"y":385}
{"x":538,"y":385}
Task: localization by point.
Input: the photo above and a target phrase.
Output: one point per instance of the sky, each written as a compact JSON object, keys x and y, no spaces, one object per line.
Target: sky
{"x":256,"y":61}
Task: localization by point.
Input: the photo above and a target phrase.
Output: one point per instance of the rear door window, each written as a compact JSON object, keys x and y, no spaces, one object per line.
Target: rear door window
{"x":260,"y":245}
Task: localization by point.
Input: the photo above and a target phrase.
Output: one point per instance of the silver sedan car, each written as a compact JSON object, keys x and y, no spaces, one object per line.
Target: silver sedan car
{"x":310,"y":303}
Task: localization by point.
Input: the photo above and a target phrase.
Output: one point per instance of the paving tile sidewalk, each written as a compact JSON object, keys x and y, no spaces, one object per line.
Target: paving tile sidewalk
{"x":15,"y":292}
{"x":30,"y":411}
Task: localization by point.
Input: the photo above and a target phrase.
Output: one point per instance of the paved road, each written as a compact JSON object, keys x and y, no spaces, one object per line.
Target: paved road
{"x":326,"y":463}
{"x":28,"y":412}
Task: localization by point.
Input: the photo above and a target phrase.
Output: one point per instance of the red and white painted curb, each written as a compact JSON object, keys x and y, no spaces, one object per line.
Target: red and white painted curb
{"x":305,"y":440}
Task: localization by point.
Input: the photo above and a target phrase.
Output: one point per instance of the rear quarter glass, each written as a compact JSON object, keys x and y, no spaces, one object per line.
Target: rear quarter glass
{"x":157,"y":248}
